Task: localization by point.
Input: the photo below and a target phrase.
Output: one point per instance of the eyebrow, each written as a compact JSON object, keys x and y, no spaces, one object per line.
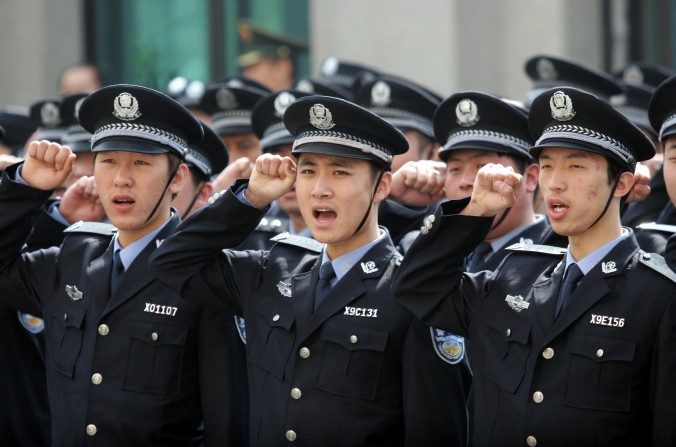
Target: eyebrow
{"x":334,"y":161}
{"x":572,"y":155}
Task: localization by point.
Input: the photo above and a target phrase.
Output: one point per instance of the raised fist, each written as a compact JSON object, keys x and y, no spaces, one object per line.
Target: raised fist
{"x":419,"y":183}
{"x":47,"y":165}
{"x":272,"y":177}
{"x":495,"y":189}
{"x":81,"y":202}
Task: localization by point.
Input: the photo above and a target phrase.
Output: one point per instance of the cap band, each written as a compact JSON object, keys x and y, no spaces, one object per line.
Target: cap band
{"x":231,"y":118}
{"x":403,"y":119}
{"x":122,"y":130}
{"x":274,"y":133}
{"x":343,"y":139}
{"x":670,"y":121}
{"x":582,"y":134}
{"x":490,"y":136}
{"x":76,"y":133}
{"x":198,"y":160}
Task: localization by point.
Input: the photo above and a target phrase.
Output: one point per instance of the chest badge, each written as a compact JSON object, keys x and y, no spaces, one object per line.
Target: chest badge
{"x":240,"y":324}
{"x":608,"y":267}
{"x":284,"y":289}
{"x":449,"y":347}
{"x":369,"y":267}
{"x":517,"y":303}
{"x":31,"y":323}
{"x":73,"y":293}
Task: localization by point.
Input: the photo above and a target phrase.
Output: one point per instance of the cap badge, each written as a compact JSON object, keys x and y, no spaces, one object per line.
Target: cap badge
{"x":305,"y":86}
{"x":546,"y":70}
{"x":633,"y":75}
{"x":77,"y":108}
{"x":282,"y":102}
{"x":125,"y":107}
{"x":561,"y":106}
{"x":380,"y":94}
{"x":49,"y":114}
{"x":321,"y":117}
{"x":467,"y":113}
{"x":225,"y":99}
{"x":235,"y":83}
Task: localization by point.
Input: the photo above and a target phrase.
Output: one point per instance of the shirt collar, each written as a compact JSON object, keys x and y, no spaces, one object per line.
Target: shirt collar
{"x":588,"y":262}
{"x":500,"y":242}
{"x":343,"y":264}
{"x":131,"y":251}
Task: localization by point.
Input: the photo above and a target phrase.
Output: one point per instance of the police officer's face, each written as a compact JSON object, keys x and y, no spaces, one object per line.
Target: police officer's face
{"x":334,"y":194}
{"x":419,"y":148}
{"x":242,"y":145}
{"x":130,"y":185}
{"x":670,"y":167}
{"x":462,"y":167}
{"x":575,"y":187}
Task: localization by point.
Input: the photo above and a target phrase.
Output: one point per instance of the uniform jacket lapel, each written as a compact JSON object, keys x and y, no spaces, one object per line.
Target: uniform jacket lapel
{"x":303,"y":287}
{"x":352,"y":285}
{"x":545,"y":292}
{"x":138,"y":275}
{"x":98,"y":274}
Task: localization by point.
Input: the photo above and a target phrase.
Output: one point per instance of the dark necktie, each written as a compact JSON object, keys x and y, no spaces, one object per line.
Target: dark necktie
{"x":326,"y":274}
{"x":571,"y":278}
{"x":117,"y":272}
{"x":478,"y":256}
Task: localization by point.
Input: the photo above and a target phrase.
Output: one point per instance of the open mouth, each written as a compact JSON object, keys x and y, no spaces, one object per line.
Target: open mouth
{"x":324,"y":215}
{"x":557,"y":209}
{"x":123,"y":201}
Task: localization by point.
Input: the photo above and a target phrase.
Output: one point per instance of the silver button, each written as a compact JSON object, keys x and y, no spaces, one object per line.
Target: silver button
{"x":295,"y":393}
{"x":429,"y":219}
{"x":104,"y":329}
{"x":599,"y":353}
{"x":531,"y":441}
{"x":264,"y":221}
{"x":538,"y":397}
{"x":353,"y":339}
{"x":275,"y":318}
{"x":508,"y":332}
{"x":304,"y":352}
{"x":65,"y":317}
{"x":424,"y":230}
{"x":154,"y":336}
{"x":290,"y":435}
{"x":97,"y":378}
{"x":646,"y":255}
{"x":548,"y":353}
{"x":91,"y":429}
{"x":276,"y":223}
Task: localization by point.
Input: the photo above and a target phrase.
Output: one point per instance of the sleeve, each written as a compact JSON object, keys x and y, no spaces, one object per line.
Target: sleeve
{"x":662,"y":388}
{"x":435,"y":391}
{"x":25,"y":279}
{"x":430,"y":282}
{"x":198,"y":263}
{"x":400,"y":219}
{"x":47,"y":229}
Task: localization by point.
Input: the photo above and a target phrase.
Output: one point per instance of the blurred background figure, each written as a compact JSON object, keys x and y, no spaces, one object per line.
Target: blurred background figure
{"x":79,"y":78}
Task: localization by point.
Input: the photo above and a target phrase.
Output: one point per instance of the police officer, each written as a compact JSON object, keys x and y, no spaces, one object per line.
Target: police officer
{"x":46,"y":115}
{"x":564,"y":350}
{"x":332,"y":359}
{"x":122,"y":357}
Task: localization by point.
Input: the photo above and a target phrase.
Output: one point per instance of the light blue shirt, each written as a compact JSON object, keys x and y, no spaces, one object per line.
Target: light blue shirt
{"x":592,"y":259}
{"x":131,"y":251}
{"x":502,"y":240}
{"x":343,"y":264}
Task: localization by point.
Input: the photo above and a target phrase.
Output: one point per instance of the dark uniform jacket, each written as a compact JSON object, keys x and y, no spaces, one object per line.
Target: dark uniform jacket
{"x":121,"y":370}
{"x":600,"y":375}
{"x":357,"y":371}
{"x":649,"y":209}
{"x":653,"y":236}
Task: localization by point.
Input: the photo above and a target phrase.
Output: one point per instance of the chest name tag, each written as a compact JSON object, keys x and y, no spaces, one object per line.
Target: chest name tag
{"x":160,"y":309}
{"x":361,"y":312}
{"x":605,"y":320}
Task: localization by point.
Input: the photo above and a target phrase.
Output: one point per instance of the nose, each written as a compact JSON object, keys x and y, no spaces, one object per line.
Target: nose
{"x":122,"y":177}
{"x":321,"y":187}
{"x":553,"y":179}
{"x":467,"y":180}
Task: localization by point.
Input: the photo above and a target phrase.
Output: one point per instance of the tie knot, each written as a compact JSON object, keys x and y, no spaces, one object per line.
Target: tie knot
{"x":573,"y":274}
{"x":326,"y":271}
{"x":118,"y":266}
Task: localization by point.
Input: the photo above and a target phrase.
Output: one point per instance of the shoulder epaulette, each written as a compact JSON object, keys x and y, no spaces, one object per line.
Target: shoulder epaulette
{"x":652,"y":226}
{"x":101,"y":228}
{"x":657,"y":263}
{"x":536,"y":248}
{"x":298,"y":241}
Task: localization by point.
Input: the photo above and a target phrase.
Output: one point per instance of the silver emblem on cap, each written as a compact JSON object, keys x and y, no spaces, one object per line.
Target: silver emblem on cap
{"x":330,"y":66}
{"x":467,"y":113}
{"x":546,"y":70}
{"x":321,"y":117}
{"x":305,"y":86}
{"x":77,"y":107}
{"x":225,"y":99}
{"x":633,"y":75}
{"x":380,"y":94}
{"x":561,"y":106}
{"x":282,"y":102}
{"x":49,"y":114}
{"x":125,"y":107}
{"x":235,"y":83}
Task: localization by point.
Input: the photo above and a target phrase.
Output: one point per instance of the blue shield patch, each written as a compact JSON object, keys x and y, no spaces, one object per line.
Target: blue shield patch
{"x":449,"y":347}
{"x":241,"y":328}
{"x":31,"y":323}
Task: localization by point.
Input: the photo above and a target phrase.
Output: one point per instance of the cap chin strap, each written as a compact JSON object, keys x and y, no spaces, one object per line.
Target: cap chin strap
{"x":504,"y":215}
{"x":157,"y":205}
{"x":194,"y":199}
{"x":368,"y":210}
{"x":610,"y":198}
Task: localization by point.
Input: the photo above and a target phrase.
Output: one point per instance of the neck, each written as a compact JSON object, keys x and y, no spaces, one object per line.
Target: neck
{"x":368,"y":233}
{"x":126,"y":237}
{"x":605,"y":230}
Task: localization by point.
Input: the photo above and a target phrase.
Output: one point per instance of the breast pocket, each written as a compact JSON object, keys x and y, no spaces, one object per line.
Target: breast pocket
{"x":352,"y":360}
{"x":506,"y":349}
{"x":600,"y":372}
{"x":270,"y":339}
{"x":155,"y":359}
{"x":64,"y":338}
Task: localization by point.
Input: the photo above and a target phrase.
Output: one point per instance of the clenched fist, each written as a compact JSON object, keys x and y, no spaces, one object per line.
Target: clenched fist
{"x":81,"y":202}
{"x":419,"y":183}
{"x":272,"y":177}
{"x":47,"y":165}
{"x":495,"y":189}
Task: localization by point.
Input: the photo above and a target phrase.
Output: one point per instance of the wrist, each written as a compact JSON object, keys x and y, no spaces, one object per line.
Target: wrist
{"x":475,"y":209}
{"x":255,"y":200}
